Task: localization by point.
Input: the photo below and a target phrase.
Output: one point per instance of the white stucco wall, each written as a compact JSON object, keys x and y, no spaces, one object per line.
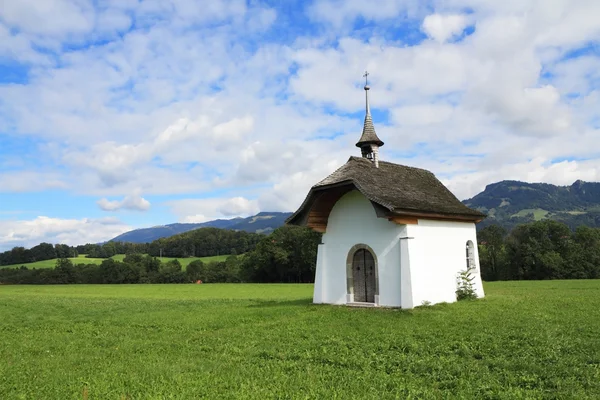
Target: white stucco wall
{"x":415,"y":263}
{"x":437,"y":255}
{"x":353,"y":221}
{"x":319,"y":278}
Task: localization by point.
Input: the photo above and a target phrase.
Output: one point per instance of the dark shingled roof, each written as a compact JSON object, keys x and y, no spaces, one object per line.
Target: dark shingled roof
{"x":396,"y":188}
{"x":368,"y":134}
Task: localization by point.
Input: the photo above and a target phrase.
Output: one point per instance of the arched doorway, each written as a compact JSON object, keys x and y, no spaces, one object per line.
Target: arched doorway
{"x":364,"y":276}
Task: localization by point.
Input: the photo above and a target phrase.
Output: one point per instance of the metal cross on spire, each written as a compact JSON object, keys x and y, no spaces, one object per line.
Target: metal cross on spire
{"x":366,"y":76}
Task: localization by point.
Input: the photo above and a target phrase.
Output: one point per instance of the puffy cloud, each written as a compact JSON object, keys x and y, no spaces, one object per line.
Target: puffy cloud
{"x":287,"y":194}
{"x":19,"y":48}
{"x":399,"y":74}
{"x":201,"y":210}
{"x":422,"y":114}
{"x":238,"y":206}
{"x":443,"y":27}
{"x":30,"y":181}
{"x":55,"y":230}
{"x":51,"y":17}
{"x":194,"y":219}
{"x":133,"y":202}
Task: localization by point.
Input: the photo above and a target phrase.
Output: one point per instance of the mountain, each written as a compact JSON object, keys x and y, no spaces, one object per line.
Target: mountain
{"x":509,"y":203}
{"x":263,"y":222}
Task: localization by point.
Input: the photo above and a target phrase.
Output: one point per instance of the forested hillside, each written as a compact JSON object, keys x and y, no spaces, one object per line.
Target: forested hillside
{"x":204,"y":242}
{"x":41,"y":252}
{"x":147,"y":235}
{"x":201,"y":242}
{"x":264,"y":222}
{"x":509,"y":203}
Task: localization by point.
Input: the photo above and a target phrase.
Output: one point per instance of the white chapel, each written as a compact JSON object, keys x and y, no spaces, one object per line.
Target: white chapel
{"x":393,"y":235}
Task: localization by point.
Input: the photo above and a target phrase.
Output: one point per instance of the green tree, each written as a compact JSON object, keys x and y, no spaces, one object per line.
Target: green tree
{"x":151,"y":264}
{"x":585,"y":258}
{"x":64,"y":271}
{"x":134,"y":259}
{"x":492,"y":253}
{"x":171,"y":272}
{"x":539,"y":250}
{"x":287,"y":255}
{"x":196,"y":271}
{"x":119,"y":272}
{"x":43,"y":251}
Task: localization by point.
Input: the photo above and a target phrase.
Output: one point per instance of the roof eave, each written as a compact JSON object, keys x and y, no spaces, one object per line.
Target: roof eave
{"x":439,"y":215}
{"x":300,"y":217}
{"x":361,"y":142}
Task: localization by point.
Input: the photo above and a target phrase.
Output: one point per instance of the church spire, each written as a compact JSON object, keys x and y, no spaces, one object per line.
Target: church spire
{"x":369,"y":143}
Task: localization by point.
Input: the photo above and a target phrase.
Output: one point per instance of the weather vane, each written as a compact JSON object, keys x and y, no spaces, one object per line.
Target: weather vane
{"x":366,"y":76}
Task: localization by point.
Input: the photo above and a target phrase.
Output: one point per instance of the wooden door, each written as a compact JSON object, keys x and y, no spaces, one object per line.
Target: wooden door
{"x":363,"y":274}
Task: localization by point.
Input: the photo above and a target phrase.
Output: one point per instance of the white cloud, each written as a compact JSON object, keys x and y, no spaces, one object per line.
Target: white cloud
{"x":202,"y":210}
{"x":19,"y":48}
{"x":287,"y":194}
{"x":26,"y":181}
{"x":443,"y":27}
{"x":232,"y":130}
{"x":194,"y":219}
{"x":49,"y":17}
{"x":55,"y":230}
{"x":398,"y":74}
{"x":133,"y":202}
{"x":422,"y":114}
{"x":576,"y":76}
{"x":238,"y":206}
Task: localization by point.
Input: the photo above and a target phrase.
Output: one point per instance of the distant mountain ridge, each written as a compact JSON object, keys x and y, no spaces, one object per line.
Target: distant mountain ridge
{"x":506,"y":203}
{"x":509,"y":203}
{"x":263,"y":222}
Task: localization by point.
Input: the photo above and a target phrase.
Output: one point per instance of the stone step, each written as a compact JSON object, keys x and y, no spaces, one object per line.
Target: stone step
{"x":361,"y":304}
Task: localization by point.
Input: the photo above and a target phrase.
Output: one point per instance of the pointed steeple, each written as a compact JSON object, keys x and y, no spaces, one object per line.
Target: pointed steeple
{"x":369,"y":143}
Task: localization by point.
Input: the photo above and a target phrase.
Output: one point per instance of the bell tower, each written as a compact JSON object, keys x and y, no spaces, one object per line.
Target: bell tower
{"x":369,"y":143}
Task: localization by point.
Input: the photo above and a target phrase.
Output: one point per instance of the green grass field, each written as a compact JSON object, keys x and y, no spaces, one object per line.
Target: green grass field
{"x":525,"y":340}
{"x":119,"y":257}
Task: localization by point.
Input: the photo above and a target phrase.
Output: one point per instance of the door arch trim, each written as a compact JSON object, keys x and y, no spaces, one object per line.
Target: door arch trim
{"x":349,"y":276}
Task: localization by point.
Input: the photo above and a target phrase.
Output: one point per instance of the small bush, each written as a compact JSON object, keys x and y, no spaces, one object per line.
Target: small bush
{"x":464,"y":285}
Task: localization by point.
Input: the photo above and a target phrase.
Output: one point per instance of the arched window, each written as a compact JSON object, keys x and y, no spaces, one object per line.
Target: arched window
{"x":470,"y":250}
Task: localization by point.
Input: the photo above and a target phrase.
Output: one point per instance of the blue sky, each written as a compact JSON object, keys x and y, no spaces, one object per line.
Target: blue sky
{"x":116,"y":115}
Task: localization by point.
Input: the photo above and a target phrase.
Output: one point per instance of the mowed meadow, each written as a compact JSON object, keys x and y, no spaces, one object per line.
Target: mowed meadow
{"x":82,"y":259}
{"x":525,"y":340}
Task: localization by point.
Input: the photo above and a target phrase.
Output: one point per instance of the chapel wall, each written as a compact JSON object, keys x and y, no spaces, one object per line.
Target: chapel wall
{"x":353,"y":221}
{"x":438,"y":254}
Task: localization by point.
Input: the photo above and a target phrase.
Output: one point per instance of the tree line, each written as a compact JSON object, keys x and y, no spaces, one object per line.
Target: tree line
{"x":202,"y":242}
{"x":539,"y":250}
{"x":41,"y":252}
{"x":287,"y":255}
